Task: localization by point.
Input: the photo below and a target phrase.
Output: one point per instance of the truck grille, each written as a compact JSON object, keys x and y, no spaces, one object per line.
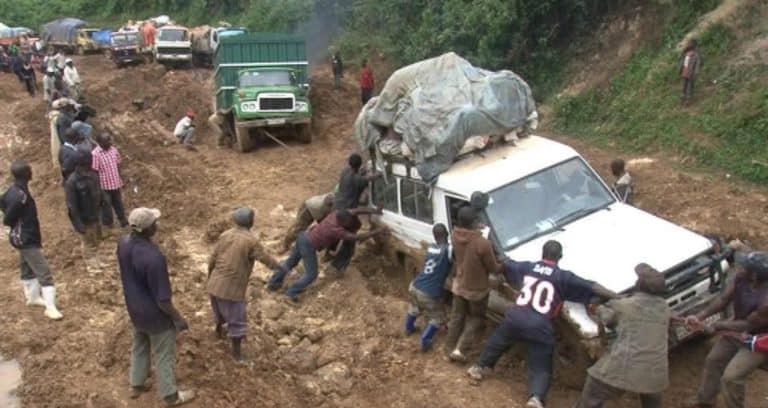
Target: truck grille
{"x":174,"y":50}
{"x":267,"y":104}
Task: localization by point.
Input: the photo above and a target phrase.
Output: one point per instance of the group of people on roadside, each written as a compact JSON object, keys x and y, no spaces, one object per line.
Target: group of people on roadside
{"x":366,"y":77}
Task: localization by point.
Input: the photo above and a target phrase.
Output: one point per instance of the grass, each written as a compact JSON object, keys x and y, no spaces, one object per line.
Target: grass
{"x":640,"y":110}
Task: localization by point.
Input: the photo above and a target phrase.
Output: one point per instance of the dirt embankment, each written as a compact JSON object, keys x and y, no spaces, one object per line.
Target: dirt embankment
{"x":342,"y":346}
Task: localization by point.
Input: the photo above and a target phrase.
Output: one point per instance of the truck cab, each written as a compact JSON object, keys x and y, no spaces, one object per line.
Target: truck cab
{"x":539,"y":190}
{"x":124,"y":48}
{"x":173,"y":46}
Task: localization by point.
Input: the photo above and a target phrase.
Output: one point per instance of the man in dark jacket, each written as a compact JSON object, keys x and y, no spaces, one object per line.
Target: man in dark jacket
{"x":68,"y":154}
{"x":20,"y":214}
{"x":84,"y":205}
{"x":338,"y":70}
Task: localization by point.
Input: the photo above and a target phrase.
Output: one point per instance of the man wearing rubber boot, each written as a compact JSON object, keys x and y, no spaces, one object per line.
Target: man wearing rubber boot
{"x":543,"y":289}
{"x":229,"y":269}
{"x":156,"y":322}
{"x":20,"y":214}
{"x":729,"y":364}
{"x":426,"y":290}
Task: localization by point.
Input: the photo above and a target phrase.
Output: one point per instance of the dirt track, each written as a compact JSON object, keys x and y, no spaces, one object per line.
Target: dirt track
{"x":342,"y":346}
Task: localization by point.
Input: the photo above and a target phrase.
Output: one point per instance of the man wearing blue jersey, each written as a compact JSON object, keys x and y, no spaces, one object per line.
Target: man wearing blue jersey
{"x":543,"y":289}
{"x":426,"y":290}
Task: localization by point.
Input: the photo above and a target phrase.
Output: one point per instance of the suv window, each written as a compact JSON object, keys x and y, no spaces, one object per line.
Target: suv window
{"x":415,"y":200}
{"x":385,"y":194}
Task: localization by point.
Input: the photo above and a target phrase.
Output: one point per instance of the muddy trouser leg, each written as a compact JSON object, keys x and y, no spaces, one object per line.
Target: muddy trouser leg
{"x":735,"y":376}
{"x":164,"y":351}
{"x":596,"y":393}
{"x":276,"y":281}
{"x":303,"y":221}
{"x":188,"y":136}
{"x":459,"y":310}
{"x":106,"y":209}
{"x":34,"y":265}
{"x":498,"y":344}
{"x":714,"y":366}
{"x":139,"y":370}
{"x":475,"y":323}
{"x":114,"y":200}
{"x":539,"y":368}
{"x":344,"y":256}
{"x":309,"y":258}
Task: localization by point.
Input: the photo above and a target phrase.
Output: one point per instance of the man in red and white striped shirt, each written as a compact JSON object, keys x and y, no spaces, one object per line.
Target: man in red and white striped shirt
{"x":106,"y":161}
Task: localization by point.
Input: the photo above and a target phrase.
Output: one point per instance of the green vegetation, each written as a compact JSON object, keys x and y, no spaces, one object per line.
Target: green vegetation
{"x":640,"y":109}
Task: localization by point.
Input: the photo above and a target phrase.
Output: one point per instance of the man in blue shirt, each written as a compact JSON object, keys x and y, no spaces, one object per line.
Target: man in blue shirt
{"x":426,"y":290}
{"x":543,"y":289}
{"x":147,"y":290}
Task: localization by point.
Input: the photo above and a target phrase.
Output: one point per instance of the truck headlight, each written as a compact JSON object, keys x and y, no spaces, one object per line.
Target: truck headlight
{"x":301,"y":106}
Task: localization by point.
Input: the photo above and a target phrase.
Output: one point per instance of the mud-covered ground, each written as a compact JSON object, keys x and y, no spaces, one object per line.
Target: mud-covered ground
{"x":342,"y":345}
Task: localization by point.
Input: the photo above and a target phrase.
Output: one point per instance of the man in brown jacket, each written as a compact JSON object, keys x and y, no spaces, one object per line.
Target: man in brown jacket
{"x":229,"y":269}
{"x":475,"y":260}
{"x":641,"y":322}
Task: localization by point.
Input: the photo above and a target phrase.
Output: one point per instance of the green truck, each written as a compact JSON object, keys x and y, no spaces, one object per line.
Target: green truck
{"x":262,"y":89}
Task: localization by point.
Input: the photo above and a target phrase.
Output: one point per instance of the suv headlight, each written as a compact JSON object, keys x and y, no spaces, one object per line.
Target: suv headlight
{"x":301,"y":106}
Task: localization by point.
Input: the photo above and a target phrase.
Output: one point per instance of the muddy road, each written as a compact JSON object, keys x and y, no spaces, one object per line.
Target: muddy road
{"x":342,"y":346}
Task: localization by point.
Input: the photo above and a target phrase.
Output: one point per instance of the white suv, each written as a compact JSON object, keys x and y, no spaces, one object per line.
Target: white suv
{"x":539,"y":190}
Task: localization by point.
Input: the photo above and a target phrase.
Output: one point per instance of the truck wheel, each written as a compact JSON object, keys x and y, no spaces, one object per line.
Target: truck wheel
{"x":243,"y":140}
{"x":304,"y":134}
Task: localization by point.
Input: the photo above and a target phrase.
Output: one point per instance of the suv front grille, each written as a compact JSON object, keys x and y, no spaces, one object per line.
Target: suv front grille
{"x":267,"y":104}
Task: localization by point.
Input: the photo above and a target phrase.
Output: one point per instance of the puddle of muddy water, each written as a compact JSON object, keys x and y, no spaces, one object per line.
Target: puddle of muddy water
{"x":10,"y":379}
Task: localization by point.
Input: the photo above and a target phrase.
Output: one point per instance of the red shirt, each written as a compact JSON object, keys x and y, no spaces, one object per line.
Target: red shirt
{"x":149,"y":35}
{"x":327,"y":233}
{"x":105,"y":162}
{"x":366,"y":78}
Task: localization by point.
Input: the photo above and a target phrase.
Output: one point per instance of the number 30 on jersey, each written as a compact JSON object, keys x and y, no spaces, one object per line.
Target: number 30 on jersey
{"x":537,"y":293}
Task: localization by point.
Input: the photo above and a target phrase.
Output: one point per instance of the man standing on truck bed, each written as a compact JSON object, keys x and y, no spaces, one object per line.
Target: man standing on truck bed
{"x":543,"y":289}
{"x":729,"y":364}
{"x":366,"y":82}
{"x":475,"y":261}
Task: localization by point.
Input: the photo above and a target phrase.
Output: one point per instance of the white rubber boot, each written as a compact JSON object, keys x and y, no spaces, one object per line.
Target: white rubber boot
{"x":32,"y":292}
{"x":49,"y":296}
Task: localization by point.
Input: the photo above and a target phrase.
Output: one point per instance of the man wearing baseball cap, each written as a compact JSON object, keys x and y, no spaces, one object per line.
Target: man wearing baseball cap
{"x":728,"y":364}
{"x":147,"y":291}
{"x":185,"y":129}
{"x":641,"y":322}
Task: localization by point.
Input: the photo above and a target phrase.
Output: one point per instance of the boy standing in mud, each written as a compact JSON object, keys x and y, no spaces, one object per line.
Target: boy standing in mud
{"x":426,"y":290}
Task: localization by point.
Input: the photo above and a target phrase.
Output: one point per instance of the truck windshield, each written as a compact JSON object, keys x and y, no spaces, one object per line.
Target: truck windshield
{"x":124,"y":40}
{"x":173,"y":35}
{"x":266,"y":78}
{"x":545,"y":201}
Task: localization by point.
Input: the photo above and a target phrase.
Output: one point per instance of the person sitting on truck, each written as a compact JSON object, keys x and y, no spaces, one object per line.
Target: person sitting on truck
{"x":366,"y":82}
{"x":72,"y":79}
{"x":641,"y":322}
{"x":337,"y":226}
{"x":426,"y":290}
{"x":475,"y":261}
{"x":623,"y":187}
{"x":338,"y":70}
{"x":543,"y":289}
{"x":185,"y":129}
{"x":314,"y":209}
{"x":728,"y":364}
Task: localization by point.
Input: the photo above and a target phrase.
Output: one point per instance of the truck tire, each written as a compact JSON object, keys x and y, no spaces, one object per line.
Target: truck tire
{"x":243,"y":140}
{"x":304,"y":133}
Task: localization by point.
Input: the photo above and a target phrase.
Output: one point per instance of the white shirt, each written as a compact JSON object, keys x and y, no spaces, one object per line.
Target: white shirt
{"x":71,"y":77}
{"x":184,"y":124}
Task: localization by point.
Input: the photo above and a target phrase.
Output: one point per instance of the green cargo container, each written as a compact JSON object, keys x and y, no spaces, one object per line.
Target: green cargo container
{"x":256,"y":50}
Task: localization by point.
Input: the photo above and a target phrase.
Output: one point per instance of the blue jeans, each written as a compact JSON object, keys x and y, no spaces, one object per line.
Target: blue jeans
{"x":539,"y":357}
{"x":302,"y":251}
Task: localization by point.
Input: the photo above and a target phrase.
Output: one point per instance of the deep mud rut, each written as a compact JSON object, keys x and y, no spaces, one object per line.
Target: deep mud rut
{"x":343,"y":345}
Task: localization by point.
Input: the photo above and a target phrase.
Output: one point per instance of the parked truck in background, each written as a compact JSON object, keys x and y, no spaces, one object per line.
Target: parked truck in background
{"x":124,"y":48}
{"x":69,"y":35}
{"x":173,"y":46}
{"x":205,"y":40}
{"x":262,"y":88}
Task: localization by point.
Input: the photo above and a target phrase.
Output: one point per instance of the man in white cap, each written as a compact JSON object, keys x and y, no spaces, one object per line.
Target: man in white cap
{"x":147,"y":291}
{"x":72,"y":79}
{"x":20,"y":214}
{"x":229,"y":269}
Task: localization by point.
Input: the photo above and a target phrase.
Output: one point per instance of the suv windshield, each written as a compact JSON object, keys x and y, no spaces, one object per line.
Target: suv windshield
{"x":547,"y":200}
{"x":266,"y":78}
{"x":124,"y":40}
{"x":173,"y":35}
